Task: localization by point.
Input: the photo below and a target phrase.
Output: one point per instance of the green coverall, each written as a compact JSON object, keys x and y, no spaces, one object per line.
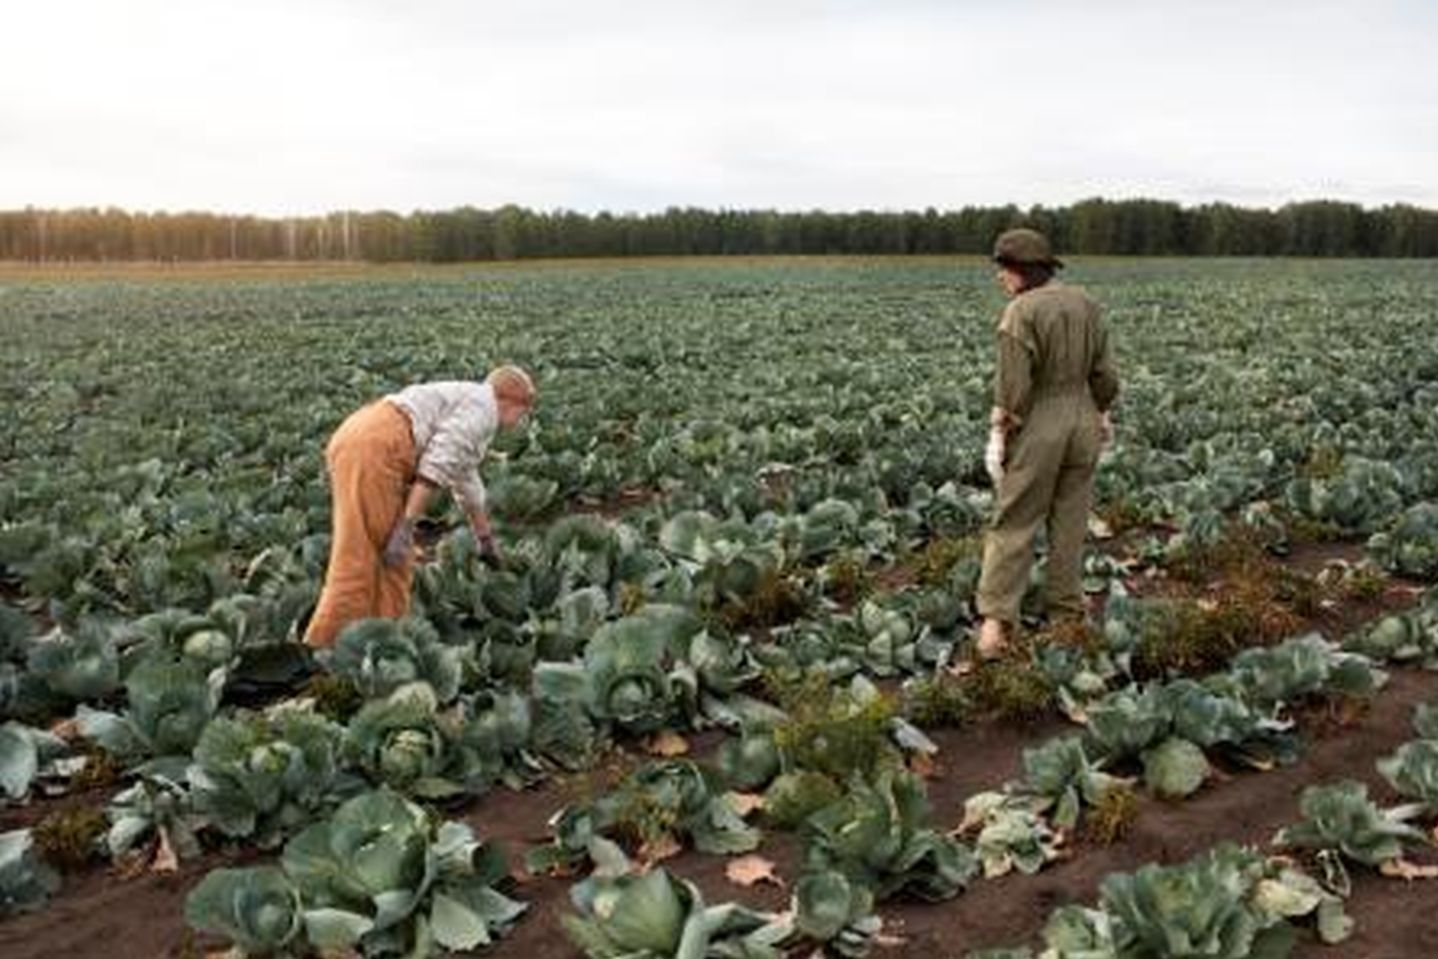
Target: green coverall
{"x":1055,"y":378}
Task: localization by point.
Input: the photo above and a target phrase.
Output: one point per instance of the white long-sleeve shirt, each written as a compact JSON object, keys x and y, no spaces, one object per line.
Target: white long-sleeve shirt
{"x":453,"y":423}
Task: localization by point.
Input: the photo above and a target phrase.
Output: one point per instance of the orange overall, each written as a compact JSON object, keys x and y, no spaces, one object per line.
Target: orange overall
{"x":371,"y":460}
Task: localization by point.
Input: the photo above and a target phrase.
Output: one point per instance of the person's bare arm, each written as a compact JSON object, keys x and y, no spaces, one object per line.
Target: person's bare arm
{"x":417,"y":502}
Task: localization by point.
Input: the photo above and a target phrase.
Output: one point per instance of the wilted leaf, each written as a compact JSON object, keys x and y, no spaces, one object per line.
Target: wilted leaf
{"x":745,"y":804}
{"x":1407,"y":871}
{"x":658,"y":850}
{"x":750,"y":870}
{"x":886,"y":941}
{"x":667,"y":744}
{"x":338,"y":952}
{"x":165,"y":860}
{"x":923,"y":765}
{"x":67,"y":729}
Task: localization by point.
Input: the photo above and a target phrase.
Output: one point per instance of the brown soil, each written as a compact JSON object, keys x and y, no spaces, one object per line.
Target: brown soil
{"x":894,"y":579}
{"x":620,"y":505}
{"x":26,"y":816}
{"x":100,"y":914}
{"x":1396,"y":920}
{"x":1311,"y":556}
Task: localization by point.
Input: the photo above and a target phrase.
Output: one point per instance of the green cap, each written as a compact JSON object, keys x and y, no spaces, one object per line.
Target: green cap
{"x":1024,"y":246}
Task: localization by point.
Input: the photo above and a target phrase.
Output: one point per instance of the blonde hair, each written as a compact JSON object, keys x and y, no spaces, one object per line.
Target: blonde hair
{"x":511,"y":383}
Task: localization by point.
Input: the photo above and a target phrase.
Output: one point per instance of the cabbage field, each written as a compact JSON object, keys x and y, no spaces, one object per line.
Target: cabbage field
{"x":720,"y":700}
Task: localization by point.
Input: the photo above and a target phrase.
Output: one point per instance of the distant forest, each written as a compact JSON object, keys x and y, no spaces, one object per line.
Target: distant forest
{"x":1322,"y":228}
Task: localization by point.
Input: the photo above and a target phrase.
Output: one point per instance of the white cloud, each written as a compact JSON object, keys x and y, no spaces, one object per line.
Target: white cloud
{"x":302,"y":106}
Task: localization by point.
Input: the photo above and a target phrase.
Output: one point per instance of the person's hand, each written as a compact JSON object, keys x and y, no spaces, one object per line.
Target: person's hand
{"x":994,"y":454}
{"x":400,"y":545}
{"x":1105,"y":428}
{"x":489,"y":553}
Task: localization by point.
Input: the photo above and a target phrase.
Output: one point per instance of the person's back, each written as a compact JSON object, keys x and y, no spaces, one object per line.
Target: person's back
{"x":1070,"y":364}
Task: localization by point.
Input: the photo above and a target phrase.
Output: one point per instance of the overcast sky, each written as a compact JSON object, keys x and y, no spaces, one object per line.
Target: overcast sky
{"x":302,"y":106}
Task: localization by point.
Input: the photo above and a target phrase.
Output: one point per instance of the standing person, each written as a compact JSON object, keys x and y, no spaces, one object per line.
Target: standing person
{"x":385,"y":462}
{"x":1054,"y":385}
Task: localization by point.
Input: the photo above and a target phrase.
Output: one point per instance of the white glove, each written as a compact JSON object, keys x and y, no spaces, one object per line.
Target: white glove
{"x":994,"y":454}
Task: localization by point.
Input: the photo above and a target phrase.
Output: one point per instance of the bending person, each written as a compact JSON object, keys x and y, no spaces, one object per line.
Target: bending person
{"x":385,"y":462}
{"x":1054,"y":384}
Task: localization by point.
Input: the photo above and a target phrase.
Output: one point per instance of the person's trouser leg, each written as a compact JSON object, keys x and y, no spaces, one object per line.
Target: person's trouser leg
{"x":371,"y":462}
{"x":1068,"y":517}
{"x":1022,"y":507}
{"x":1067,"y":526}
{"x":393,"y":589}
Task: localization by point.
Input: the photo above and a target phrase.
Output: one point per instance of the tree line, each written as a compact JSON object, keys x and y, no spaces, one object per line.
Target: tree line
{"x":1323,"y":228}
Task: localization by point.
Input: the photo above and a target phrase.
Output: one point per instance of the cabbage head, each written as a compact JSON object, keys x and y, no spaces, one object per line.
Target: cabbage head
{"x":264,"y":776}
{"x":177,"y":632}
{"x":170,"y":703}
{"x":629,"y":664}
{"x":1341,"y":818}
{"x":379,"y":875}
{"x":380,"y":655}
{"x":878,"y":835}
{"x":830,"y":909}
{"x":1125,"y":723}
{"x":1206,"y":717}
{"x":80,"y":664}
{"x":1410,"y":548}
{"x":491,"y":734}
{"x":25,"y":755}
{"x":399,"y":742}
{"x":1175,"y":768}
{"x":1413,"y":772}
{"x":26,"y":882}
{"x":1197,"y":908}
{"x":257,"y":909}
{"x":621,"y":914}
{"x":1062,"y":776}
